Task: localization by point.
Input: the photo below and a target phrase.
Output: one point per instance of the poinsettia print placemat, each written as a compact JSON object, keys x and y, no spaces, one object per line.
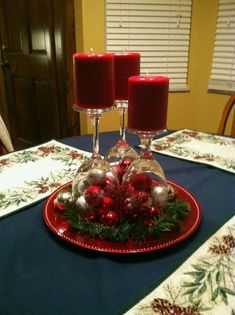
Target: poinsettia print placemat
{"x":200,"y":147}
{"x":203,"y":285}
{"x":29,"y":175}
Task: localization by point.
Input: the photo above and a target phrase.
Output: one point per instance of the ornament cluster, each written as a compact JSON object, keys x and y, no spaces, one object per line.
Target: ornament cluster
{"x":109,"y":197}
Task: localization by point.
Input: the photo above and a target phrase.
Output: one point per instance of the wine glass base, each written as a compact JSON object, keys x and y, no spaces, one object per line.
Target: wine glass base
{"x":147,"y":133}
{"x":120,"y":151}
{"x":90,"y":111}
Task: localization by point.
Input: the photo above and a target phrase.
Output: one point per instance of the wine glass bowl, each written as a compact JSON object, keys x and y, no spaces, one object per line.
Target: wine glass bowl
{"x":144,"y":185}
{"x":121,"y":150}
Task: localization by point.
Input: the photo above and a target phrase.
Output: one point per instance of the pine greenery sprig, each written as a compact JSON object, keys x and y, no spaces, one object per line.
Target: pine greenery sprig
{"x":168,"y":220}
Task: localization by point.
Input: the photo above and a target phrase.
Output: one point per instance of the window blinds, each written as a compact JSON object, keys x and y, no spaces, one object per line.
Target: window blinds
{"x":158,"y":29}
{"x":223,"y":67}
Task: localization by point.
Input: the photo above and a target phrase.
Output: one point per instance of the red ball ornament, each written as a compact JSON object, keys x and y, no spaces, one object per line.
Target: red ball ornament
{"x":59,"y":205}
{"x":100,"y":211}
{"x":110,"y":188}
{"x":141,"y":181}
{"x":124,"y":164}
{"x":108,"y":203}
{"x":127,"y":208}
{"x":110,"y":218}
{"x":134,"y":216}
{"x":154,"y":183}
{"x":144,"y":209}
{"x":130,"y":190}
{"x":94,"y":195}
{"x":90,"y":216}
{"x":140,"y":197}
{"x":149,"y":222}
{"x":154,"y":211}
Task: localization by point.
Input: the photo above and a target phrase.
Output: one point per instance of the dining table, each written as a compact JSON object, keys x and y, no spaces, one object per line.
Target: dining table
{"x":43,"y":274}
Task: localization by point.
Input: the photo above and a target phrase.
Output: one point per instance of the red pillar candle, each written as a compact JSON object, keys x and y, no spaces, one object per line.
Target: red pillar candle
{"x":126,"y":64}
{"x":94,"y":80}
{"x":148,"y":100}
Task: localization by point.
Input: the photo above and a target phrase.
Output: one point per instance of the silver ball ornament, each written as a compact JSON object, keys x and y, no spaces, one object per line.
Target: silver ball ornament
{"x":95,"y":176}
{"x":82,"y":186}
{"x":171,"y":192}
{"x":61,"y":198}
{"x":159,"y":195}
{"x":81,"y":204}
{"x":79,"y":185}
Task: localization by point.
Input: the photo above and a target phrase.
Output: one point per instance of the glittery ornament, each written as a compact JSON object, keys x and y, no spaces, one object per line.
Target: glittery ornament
{"x":141,"y":181}
{"x":95,"y":177}
{"x":123,"y":165}
{"x":94,"y":195}
{"x":159,"y":195}
{"x":140,"y":197}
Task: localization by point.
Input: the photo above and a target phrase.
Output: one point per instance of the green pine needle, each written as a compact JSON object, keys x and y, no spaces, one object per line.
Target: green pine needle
{"x":170,"y":219}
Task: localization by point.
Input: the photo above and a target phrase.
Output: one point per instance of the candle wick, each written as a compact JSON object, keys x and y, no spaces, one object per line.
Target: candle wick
{"x":125,"y":49}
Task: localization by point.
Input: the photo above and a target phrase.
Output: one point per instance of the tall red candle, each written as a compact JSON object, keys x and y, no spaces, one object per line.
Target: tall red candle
{"x":148,"y":100}
{"x":94,"y":80}
{"x":126,"y":64}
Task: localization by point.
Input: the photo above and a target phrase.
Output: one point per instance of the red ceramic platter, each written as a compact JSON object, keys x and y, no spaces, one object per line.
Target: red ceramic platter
{"x":58,"y":224}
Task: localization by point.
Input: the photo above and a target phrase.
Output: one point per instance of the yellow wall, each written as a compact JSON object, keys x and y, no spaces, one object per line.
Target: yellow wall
{"x":196,"y":109}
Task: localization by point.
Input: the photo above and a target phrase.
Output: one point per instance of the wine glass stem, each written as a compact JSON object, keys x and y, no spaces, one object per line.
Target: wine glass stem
{"x":122,"y":111}
{"x":95,"y":118}
{"x":146,"y":152}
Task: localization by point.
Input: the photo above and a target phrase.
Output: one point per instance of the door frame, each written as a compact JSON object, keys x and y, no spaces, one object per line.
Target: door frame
{"x":63,"y":18}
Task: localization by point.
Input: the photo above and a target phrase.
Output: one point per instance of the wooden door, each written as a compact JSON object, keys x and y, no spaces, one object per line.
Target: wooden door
{"x":35,"y":70}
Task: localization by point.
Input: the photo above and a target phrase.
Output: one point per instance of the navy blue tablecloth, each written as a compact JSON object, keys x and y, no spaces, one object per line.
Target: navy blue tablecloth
{"x":41,"y":274}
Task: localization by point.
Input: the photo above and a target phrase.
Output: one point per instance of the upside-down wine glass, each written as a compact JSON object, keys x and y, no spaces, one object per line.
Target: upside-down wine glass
{"x":94,"y":94}
{"x":95,"y":186}
{"x":126,"y":64}
{"x":147,"y":114}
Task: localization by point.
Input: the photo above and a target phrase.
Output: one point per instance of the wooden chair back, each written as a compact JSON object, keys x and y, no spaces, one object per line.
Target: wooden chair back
{"x":225,"y":116}
{"x":6,"y":145}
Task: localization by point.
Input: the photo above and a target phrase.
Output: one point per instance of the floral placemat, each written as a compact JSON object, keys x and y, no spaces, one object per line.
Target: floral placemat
{"x":29,"y":175}
{"x":200,"y":147}
{"x":203,"y":285}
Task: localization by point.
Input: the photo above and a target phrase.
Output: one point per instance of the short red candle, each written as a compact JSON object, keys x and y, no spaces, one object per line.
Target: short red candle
{"x":126,"y":64}
{"x":94,"y":80}
{"x":148,"y":100}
